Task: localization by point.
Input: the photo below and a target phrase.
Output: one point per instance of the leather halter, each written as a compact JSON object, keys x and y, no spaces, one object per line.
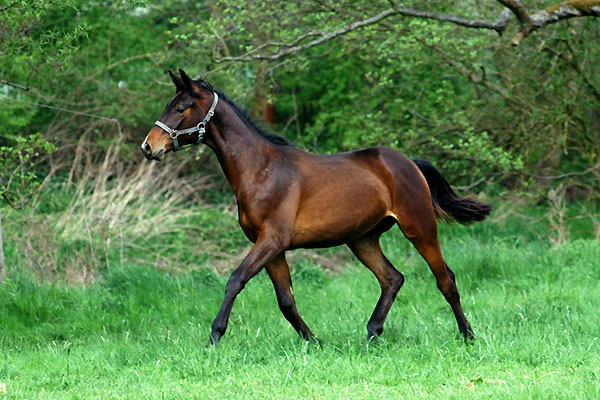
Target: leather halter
{"x":201,"y":127}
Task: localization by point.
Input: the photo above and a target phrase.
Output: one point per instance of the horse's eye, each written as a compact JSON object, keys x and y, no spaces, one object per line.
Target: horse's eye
{"x":180,"y":110}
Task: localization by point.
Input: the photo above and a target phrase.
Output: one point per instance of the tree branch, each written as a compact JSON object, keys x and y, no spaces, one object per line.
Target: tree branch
{"x":324,"y":37}
{"x":529,"y":23}
{"x":558,"y":12}
{"x":25,"y":88}
{"x":519,"y":11}
{"x":117,"y":63}
{"x":565,"y":175}
{"x":499,"y":25}
{"x":8,"y":201}
{"x":8,"y":6}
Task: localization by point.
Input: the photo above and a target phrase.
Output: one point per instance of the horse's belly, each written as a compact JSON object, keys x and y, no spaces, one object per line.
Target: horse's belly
{"x":331,"y":218}
{"x":329,"y":235}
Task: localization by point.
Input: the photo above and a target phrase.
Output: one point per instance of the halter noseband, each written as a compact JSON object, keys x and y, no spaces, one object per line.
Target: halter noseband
{"x":201,"y":127}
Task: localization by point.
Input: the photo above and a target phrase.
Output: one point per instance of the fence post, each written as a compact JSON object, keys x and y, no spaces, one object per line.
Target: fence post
{"x":2,"y":264}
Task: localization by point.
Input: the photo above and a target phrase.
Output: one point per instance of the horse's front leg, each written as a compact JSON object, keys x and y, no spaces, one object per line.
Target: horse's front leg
{"x":266,"y":248}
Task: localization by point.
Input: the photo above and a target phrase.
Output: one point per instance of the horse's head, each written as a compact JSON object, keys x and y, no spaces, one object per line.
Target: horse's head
{"x":183,"y":120}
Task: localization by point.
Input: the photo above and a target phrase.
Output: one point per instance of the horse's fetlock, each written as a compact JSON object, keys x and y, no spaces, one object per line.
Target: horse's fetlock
{"x":286,"y":305}
{"x":374,"y":329}
{"x":219,"y":328}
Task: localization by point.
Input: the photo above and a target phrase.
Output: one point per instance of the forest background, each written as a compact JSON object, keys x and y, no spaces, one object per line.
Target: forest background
{"x":331,"y":76}
{"x":501,"y":96}
{"x":504,"y":98}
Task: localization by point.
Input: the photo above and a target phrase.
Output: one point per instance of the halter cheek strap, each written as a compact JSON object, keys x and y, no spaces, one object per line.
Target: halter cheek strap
{"x":201,"y":127}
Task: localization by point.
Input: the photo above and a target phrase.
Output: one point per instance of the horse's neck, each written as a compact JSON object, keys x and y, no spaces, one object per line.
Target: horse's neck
{"x":241,"y":151}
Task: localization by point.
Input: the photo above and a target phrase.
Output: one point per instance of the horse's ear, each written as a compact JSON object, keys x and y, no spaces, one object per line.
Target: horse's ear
{"x":178,"y":82}
{"x":187,"y":81}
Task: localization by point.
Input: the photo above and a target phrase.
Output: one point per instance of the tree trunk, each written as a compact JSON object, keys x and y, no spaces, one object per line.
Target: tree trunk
{"x":2,"y":264}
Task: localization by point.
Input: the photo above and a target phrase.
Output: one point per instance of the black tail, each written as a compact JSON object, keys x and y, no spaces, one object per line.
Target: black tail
{"x":447,"y":204}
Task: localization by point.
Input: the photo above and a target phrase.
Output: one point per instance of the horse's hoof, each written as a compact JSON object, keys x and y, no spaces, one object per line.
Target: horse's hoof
{"x":214,"y":340}
{"x":468,"y":335}
{"x":373,"y":337}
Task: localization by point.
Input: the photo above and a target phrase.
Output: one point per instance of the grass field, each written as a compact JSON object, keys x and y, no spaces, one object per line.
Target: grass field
{"x":136,"y":332}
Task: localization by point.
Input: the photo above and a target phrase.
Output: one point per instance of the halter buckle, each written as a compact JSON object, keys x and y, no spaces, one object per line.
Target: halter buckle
{"x":173,"y":134}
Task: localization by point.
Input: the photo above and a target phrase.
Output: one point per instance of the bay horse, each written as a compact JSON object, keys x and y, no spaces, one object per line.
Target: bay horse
{"x":288,"y":198}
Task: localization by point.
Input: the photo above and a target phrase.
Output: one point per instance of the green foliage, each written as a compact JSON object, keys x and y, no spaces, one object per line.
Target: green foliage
{"x":20,"y":175}
{"x":36,"y":39}
{"x":93,"y":57}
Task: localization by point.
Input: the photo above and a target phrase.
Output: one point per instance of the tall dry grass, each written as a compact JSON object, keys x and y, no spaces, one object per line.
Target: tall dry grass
{"x":114,"y":206}
{"x":129,"y":202}
{"x":557,"y":215}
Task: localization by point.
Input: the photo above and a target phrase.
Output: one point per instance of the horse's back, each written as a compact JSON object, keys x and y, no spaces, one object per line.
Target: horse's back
{"x":393,"y":169}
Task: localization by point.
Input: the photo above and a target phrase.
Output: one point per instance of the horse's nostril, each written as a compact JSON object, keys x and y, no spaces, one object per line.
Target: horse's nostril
{"x":147,"y":150}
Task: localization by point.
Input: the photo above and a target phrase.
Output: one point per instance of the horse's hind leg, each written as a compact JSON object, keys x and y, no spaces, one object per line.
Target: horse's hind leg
{"x":423,"y":235}
{"x":368,"y":251}
{"x":279,"y":272}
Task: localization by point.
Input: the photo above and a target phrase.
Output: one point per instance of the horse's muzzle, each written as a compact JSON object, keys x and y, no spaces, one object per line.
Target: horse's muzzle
{"x":147,"y":151}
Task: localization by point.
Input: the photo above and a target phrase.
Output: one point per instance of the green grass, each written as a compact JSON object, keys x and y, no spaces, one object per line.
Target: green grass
{"x":140,"y":333}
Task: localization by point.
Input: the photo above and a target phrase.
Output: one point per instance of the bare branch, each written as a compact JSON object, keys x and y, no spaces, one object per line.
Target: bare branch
{"x":323,"y":38}
{"x":529,"y":23}
{"x":8,"y":6}
{"x":565,"y":175}
{"x":467,"y":188}
{"x":499,"y":25}
{"x":558,"y":12}
{"x":519,"y":11}
{"x":114,"y":120}
{"x":25,"y":88}
{"x":119,"y":62}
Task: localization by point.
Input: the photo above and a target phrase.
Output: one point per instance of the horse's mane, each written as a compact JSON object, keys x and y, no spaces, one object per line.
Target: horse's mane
{"x":245,"y":116}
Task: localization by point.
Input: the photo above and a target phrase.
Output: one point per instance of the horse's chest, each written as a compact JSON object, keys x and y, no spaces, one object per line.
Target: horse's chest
{"x":250,"y":221}
{"x":246,"y":222}
{"x":256,"y":206}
